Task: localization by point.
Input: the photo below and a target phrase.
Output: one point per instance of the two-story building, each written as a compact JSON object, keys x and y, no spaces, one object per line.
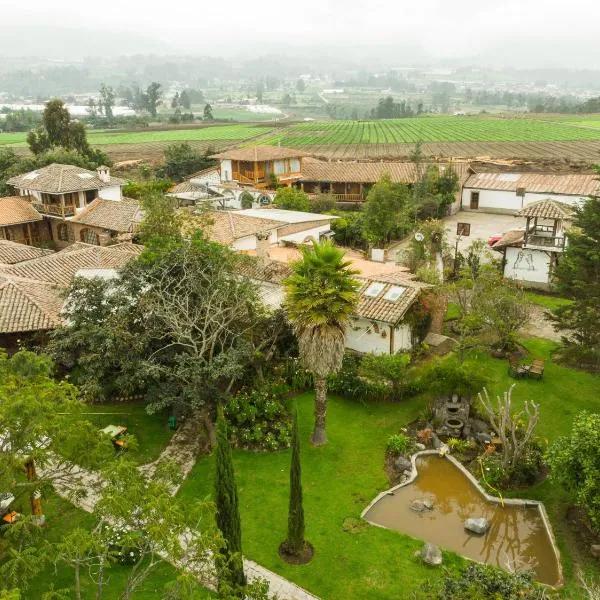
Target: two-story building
{"x":530,"y":255}
{"x":71,"y":204}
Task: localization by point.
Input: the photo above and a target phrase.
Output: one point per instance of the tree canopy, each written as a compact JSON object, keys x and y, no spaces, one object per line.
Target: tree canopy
{"x":290,"y":198}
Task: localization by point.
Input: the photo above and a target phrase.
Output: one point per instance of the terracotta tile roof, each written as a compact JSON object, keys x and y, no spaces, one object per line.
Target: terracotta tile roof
{"x":60,"y":268}
{"x":116,"y":215}
{"x":577,"y":184}
{"x":225,"y":227}
{"x":60,"y":179}
{"x":382,"y":306}
{"x":262,"y":269}
{"x":17,"y":209}
{"x":547,"y":209}
{"x":368,"y":172}
{"x":28,"y":305}
{"x":12,"y":253}
{"x":510,"y":238}
{"x":260,"y":153}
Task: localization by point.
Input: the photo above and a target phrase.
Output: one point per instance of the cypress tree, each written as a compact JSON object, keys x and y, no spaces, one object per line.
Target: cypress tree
{"x":295,"y":543}
{"x":227,"y":509}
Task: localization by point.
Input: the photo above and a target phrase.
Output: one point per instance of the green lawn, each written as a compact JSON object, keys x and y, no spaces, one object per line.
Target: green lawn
{"x":151,"y":431}
{"x":63,"y":517}
{"x":341,"y":478}
{"x":547,"y":301}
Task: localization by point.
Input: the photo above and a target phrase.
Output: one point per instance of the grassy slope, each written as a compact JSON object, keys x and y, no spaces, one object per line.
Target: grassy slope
{"x":341,"y":478}
{"x":151,"y":431}
{"x":546,"y":301}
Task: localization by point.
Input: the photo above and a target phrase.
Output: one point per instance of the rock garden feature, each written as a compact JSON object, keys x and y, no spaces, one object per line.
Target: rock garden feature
{"x":430,"y":555}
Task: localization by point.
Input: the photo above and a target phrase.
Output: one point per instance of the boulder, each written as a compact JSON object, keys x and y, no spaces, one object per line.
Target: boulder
{"x":595,"y":550}
{"x":420,"y":446}
{"x":477,"y":525}
{"x":430,"y":555}
{"x":421,"y":505}
{"x":436,"y":442}
{"x":403,"y":464}
{"x":483,"y":438}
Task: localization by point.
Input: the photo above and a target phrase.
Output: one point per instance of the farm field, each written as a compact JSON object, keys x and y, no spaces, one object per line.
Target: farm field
{"x":429,"y":129}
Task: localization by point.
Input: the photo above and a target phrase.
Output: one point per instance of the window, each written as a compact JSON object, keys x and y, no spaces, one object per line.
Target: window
{"x":9,"y":233}
{"x":474,"y":200}
{"x":64,"y":232}
{"x":374,"y":290}
{"x":394,"y":293}
{"x":90,"y":195}
{"x":279,"y":167}
{"x":294,"y":165}
{"x":89,"y":236}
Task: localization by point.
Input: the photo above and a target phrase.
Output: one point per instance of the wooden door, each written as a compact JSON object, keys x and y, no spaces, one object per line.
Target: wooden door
{"x":474,"y":201}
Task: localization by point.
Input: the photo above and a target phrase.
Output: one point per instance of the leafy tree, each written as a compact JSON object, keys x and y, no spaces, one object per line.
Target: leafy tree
{"x":287,"y":100}
{"x":290,"y":198}
{"x":161,"y":219}
{"x":321,"y":295}
{"x":295,"y":544}
{"x":152,"y":98}
{"x":208,"y":113}
{"x":182,"y":160}
{"x":300,"y":85}
{"x":348,"y":229}
{"x":575,"y":463}
{"x":383,"y":210}
{"x":227,"y":509}
{"x":175,"y":102}
{"x":184,"y":100}
{"x":107,"y":100}
{"x":578,"y":277}
{"x":246,"y":200}
{"x":133,"y":189}
{"x":58,"y":131}
{"x":323,"y":203}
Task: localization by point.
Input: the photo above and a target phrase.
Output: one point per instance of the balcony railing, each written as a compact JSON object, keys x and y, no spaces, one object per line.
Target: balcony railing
{"x":342,"y":197}
{"x":544,"y":241}
{"x":61,"y":210}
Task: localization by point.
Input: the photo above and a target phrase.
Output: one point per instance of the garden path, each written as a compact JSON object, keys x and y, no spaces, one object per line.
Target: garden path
{"x":183,"y":450}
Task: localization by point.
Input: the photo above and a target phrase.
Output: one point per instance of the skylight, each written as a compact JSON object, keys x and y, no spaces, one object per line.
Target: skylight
{"x":31,"y":175}
{"x":84,"y":175}
{"x":509,"y":177}
{"x":374,"y":289}
{"x":394,"y":293}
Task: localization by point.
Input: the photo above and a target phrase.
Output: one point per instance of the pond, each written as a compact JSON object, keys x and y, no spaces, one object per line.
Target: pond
{"x":518,"y":535}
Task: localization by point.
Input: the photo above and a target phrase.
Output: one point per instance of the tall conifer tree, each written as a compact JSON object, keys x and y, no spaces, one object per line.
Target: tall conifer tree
{"x":295,"y":541}
{"x":227,"y":509}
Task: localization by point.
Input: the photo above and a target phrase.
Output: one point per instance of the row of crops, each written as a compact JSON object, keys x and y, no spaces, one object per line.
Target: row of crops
{"x":216,"y":133}
{"x":437,"y":129}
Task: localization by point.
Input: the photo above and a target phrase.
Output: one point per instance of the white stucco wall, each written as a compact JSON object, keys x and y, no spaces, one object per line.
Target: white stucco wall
{"x":226,"y":170}
{"x":508,"y":202}
{"x":249,"y":242}
{"x":300,"y":236}
{"x":528,"y":266}
{"x":110,"y":193}
{"x":402,"y":338}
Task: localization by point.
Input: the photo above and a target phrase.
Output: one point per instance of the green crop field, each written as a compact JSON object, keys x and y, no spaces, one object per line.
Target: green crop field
{"x":99,"y":138}
{"x":430,"y":129}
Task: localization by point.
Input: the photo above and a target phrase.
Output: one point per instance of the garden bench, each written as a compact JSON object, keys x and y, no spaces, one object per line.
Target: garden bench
{"x":537,"y":369}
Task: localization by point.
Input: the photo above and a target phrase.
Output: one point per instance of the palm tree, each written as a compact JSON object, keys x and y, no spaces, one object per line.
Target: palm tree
{"x":321,"y":294}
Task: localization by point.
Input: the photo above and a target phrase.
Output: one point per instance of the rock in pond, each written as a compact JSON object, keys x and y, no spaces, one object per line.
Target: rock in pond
{"x":430,"y":555}
{"x":421,"y":505}
{"x":477,"y":525}
{"x":403,"y":464}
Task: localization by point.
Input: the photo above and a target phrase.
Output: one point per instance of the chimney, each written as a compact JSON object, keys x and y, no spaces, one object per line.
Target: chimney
{"x":103,"y":173}
{"x":263,"y":244}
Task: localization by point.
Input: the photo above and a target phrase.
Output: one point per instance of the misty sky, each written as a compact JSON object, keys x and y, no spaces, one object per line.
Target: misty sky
{"x":565,"y":32}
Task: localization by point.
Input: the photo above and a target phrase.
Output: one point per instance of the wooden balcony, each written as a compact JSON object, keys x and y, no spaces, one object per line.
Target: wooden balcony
{"x":59,"y":210}
{"x":341,"y":197}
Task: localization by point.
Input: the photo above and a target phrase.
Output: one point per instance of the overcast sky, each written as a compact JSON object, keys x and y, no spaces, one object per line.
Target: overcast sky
{"x":551,"y":31}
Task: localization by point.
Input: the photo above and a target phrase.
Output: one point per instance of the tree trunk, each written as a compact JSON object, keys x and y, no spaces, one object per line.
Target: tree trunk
{"x":319,"y":436}
{"x":77,"y":583}
{"x":36,"y":496}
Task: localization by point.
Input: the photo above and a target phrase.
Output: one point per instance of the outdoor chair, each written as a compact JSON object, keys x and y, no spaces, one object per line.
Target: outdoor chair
{"x":537,"y":369}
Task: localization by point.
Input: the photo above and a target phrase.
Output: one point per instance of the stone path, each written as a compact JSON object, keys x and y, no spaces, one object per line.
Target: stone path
{"x":182,"y":449}
{"x":541,"y":326}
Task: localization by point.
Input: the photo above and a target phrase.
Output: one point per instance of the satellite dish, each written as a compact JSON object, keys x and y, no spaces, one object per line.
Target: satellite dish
{"x":419,"y":236}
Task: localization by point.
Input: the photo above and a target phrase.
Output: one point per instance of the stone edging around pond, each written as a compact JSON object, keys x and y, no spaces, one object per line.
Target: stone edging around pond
{"x":492,"y":499}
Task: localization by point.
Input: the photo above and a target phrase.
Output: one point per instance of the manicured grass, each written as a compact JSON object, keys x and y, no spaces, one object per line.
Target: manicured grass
{"x":63,"y":517}
{"x":151,"y":431}
{"x":341,"y":478}
{"x":547,"y":301}
{"x":453,"y":312}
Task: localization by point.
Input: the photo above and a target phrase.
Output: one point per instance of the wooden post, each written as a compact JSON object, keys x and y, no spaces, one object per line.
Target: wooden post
{"x":35,"y":497}
{"x":29,"y":236}
{"x":255,"y":171}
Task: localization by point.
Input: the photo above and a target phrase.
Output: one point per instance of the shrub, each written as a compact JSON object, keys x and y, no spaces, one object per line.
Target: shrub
{"x":290,"y":198}
{"x":322,"y":203}
{"x":258,"y":419}
{"x":447,"y":376}
{"x":246,"y":200}
{"x":399,"y":443}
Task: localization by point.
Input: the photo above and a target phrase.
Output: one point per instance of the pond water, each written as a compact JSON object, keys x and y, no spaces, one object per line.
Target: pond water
{"x":517,"y":535}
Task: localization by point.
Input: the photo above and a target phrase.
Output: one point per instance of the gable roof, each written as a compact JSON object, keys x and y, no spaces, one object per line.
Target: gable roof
{"x":61,"y":267}
{"x":380,"y":308}
{"x":576,"y":184}
{"x":116,"y":215}
{"x":225,"y":227}
{"x":515,"y":238}
{"x":284,"y":216}
{"x":369,"y":172}
{"x":12,"y":253}
{"x":60,"y":179}
{"x":17,"y":209}
{"x":28,"y":305}
{"x":260,"y":153}
{"x":262,"y":269}
{"x":547,"y":209}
